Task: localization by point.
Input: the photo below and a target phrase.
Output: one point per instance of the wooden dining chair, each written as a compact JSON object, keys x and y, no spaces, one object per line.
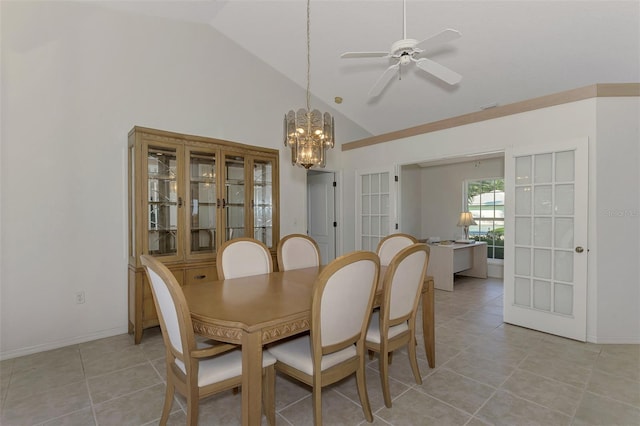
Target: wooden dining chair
{"x":196,"y":370}
{"x":297,"y":251}
{"x":390,"y":245}
{"x":342,"y":300}
{"x":243,"y":257}
{"x":394,"y":324}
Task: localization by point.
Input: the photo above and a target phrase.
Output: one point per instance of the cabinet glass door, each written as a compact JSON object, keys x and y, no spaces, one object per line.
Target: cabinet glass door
{"x":162,"y":193}
{"x":262,"y":202}
{"x":234,"y":197}
{"x":202,"y":202}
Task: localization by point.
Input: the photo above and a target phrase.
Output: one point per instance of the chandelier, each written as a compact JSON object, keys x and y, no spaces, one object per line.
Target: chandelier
{"x":308,"y":133}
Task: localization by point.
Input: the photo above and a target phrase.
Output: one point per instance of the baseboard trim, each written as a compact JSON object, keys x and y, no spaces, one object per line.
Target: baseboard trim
{"x":62,"y":343}
{"x":621,"y":340}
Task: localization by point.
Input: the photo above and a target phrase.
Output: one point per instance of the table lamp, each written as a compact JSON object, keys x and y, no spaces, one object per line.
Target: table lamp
{"x":466,"y":220}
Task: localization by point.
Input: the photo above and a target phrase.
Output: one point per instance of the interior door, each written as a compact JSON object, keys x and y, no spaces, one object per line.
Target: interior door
{"x":321,"y":213}
{"x":545,"y":279}
{"x":376,"y":207}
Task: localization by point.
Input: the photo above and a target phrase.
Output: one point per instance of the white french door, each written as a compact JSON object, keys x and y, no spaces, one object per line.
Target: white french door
{"x":545,"y":261}
{"x":375,"y":207}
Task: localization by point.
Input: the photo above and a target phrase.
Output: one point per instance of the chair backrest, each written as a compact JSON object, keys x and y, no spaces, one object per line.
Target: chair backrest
{"x":342,"y":301}
{"x":243,"y":257}
{"x":297,"y":251}
{"x":172,"y":309}
{"x":402,"y":283}
{"x":390,"y":245}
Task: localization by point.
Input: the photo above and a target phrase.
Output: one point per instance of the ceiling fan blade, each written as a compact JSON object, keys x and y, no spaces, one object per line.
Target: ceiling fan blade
{"x":440,"y":71}
{"x":364,"y":55}
{"x":440,"y":38}
{"x":383,"y":80}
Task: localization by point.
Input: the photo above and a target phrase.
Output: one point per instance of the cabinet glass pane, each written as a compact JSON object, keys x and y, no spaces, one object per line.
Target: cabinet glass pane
{"x":234,"y":204}
{"x":202,"y":194}
{"x":263,"y":201}
{"x":162,"y":189}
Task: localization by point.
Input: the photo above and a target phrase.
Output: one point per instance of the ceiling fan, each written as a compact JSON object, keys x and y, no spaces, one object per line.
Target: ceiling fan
{"x":405,"y":51}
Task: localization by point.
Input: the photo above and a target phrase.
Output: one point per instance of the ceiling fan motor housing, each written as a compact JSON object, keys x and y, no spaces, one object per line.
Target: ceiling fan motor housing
{"x":407,"y":46}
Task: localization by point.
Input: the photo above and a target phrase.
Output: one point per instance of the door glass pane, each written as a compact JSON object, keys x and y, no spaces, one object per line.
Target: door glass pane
{"x":564,"y":166}
{"x":542,"y":295}
{"x":564,"y":233}
{"x":523,"y":261}
{"x":523,"y":200}
{"x":374,"y":209}
{"x":564,"y":199}
{"x":263,"y":201}
{"x":522,"y":292}
{"x":523,"y":231}
{"x":202,"y":195}
{"x":542,"y":263}
{"x":162,"y":186}
{"x":523,"y":170}
{"x":234,"y":197}
{"x":543,"y":168}
{"x":542,"y":200}
{"x":542,"y":232}
{"x":544,"y":258}
{"x":563,"y":266}
{"x":563,"y":298}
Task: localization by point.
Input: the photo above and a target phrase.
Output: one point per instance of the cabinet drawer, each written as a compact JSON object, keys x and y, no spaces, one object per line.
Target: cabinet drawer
{"x":194,"y":275}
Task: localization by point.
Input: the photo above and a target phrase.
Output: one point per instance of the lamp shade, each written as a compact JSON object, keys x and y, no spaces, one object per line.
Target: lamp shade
{"x":466,"y":219}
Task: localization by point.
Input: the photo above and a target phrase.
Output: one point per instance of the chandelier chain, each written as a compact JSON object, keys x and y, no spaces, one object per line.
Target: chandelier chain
{"x":308,"y":55}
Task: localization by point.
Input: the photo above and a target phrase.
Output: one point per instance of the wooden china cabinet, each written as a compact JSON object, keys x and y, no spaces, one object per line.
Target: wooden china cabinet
{"x":188,"y":195}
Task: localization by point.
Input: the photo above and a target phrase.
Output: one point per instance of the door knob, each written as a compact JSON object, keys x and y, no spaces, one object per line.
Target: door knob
{"x":579,"y":249}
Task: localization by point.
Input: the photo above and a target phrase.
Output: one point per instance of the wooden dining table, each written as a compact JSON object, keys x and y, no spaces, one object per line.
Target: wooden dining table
{"x":260,"y":309}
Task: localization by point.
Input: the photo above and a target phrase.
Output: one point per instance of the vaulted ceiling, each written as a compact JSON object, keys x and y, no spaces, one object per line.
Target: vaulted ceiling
{"x":509,"y":50}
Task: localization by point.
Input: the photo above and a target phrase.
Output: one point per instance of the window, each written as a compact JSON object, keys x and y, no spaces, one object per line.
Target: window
{"x":485,"y":200}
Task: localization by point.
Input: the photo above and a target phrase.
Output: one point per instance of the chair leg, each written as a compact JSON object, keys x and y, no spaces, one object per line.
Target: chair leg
{"x":390,"y":357}
{"x":413,"y":360}
{"x":384,"y":376}
{"x":193,"y":400}
{"x":317,"y":405}
{"x":362,"y":392}
{"x":168,"y":402}
{"x":268,"y":394}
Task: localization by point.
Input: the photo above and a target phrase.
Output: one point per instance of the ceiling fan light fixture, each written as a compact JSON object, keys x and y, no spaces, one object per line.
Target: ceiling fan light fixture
{"x":308,"y":133}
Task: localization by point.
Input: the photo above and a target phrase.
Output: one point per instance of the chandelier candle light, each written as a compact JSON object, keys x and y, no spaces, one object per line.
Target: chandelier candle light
{"x":308,"y":133}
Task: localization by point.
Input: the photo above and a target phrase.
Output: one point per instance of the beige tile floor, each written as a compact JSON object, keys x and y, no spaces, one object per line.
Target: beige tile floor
{"x":486,"y":373}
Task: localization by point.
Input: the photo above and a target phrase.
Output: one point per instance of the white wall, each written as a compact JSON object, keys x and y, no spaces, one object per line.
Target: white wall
{"x":616,"y":217}
{"x":75,"y":79}
{"x":612,"y":128}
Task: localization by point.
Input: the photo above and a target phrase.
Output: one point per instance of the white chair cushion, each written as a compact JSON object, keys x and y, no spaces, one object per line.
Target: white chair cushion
{"x":297,"y":354}
{"x":373,"y":333}
{"x":222,"y":367}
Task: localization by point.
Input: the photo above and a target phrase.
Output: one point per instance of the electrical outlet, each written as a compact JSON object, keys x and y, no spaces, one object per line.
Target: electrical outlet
{"x":79,"y":297}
